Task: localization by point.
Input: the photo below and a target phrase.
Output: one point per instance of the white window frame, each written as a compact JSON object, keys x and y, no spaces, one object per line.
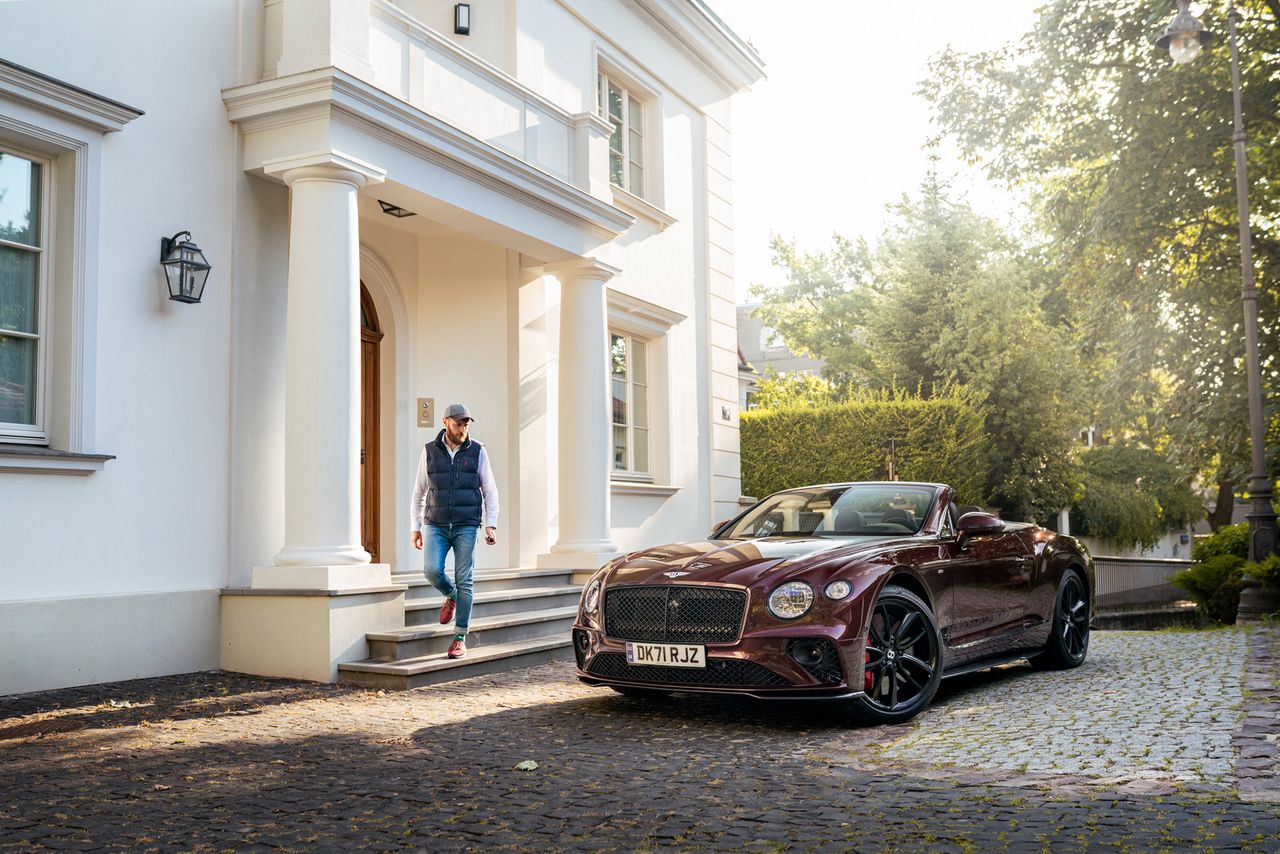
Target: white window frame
{"x":605,"y":80}
{"x":644,"y":88}
{"x":652,"y":324}
{"x":34,"y":432}
{"x":629,"y":468}
{"x":64,"y":125}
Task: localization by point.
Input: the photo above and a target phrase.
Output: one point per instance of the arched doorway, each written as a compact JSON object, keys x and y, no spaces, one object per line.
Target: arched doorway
{"x":370,"y":339}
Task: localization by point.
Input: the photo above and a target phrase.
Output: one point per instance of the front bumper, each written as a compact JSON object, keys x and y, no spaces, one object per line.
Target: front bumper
{"x":757,"y":665}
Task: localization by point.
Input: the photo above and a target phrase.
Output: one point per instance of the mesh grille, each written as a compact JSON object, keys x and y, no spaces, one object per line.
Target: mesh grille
{"x":827,"y":668}
{"x":719,"y":672}
{"x":674,"y":614}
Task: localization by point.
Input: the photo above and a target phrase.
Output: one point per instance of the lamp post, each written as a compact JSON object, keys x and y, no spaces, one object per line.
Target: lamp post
{"x":1183,"y":38}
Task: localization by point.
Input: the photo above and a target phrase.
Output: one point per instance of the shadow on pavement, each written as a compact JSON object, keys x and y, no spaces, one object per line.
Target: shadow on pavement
{"x":612,"y":773}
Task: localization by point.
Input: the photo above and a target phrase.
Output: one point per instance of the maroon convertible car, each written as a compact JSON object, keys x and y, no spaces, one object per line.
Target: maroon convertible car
{"x":866,"y":593}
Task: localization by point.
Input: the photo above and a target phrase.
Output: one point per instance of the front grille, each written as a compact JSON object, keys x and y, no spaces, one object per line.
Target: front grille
{"x":674,"y":614}
{"x":719,"y":673}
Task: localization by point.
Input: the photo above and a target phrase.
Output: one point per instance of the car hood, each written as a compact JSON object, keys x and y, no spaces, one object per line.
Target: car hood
{"x":744,"y":562}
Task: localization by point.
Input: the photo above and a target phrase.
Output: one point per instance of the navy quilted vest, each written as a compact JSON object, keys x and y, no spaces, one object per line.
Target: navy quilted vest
{"x":453,"y":485}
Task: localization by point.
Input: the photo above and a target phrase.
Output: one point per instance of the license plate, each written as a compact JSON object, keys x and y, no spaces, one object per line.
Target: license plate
{"x":666,"y":654}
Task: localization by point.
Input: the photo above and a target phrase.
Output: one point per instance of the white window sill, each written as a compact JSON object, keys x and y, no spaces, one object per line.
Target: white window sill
{"x":633,"y":204}
{"x":35,"y":459}
{"x":640,"y":487}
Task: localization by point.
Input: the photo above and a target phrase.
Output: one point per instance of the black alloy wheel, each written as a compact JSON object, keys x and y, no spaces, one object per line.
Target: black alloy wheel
{"x":1069,"y":636}
{"x":903,"y":661}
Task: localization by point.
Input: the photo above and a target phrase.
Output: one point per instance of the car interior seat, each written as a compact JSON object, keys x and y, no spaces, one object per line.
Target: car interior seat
{"x":848,"y":521}
{"x":900,"y":517}
{"x":808,"y":521}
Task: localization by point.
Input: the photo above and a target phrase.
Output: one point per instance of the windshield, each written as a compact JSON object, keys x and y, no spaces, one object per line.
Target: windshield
{"x":871,"y":510}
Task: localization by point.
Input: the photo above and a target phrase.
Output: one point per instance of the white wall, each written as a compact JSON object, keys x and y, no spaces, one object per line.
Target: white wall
{"x":154,"y":521}
{"x":492,"y":33}
{"x":685,"y":267}
{"x":190,"y":398}
{"x":162,"y":379}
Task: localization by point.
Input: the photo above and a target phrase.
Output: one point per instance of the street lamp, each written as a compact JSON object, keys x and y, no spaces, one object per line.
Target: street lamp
{"x":1183,"y":38}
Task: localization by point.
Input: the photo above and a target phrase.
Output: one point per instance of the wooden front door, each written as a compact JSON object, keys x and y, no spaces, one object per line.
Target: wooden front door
{"x":370,"y":336}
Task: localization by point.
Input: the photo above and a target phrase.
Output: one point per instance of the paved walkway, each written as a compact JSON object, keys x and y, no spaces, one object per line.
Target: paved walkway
{"x":1162,"y":741}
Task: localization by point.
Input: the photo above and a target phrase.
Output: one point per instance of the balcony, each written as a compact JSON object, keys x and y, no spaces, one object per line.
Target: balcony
{"x":431,"y":73}
{"x":378,"y":43}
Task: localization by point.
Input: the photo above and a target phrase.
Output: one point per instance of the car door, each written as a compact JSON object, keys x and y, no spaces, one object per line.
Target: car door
{"x":989,"y":579}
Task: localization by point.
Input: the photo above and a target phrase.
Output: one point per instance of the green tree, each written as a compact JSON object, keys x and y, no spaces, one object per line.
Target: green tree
{"x":822,"y":309}
{"x":947,"y":298}
{"x":1128,"y":160}
{"x":1132,"y":496}
{"x":960,"y":304}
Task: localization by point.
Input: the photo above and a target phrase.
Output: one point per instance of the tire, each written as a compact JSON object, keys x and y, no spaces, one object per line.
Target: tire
{"x":1068,"y":642}
{"x":903,"y":662}
{"x":641,"y":693}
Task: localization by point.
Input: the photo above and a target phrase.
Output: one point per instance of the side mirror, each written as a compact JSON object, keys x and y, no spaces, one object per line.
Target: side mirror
{"x":972,"y":524}
{"x":715,"y":529}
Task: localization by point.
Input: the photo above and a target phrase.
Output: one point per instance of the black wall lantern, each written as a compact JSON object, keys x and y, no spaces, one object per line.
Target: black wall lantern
{"x":462,"y":19}
{"x":185,"y":267}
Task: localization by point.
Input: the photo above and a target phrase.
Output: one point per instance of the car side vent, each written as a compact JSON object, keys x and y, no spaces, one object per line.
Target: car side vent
{"x":819,"y":657}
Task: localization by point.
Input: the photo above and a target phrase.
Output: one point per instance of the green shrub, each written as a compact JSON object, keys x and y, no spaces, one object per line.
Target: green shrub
{"x":1227,"y":540}
{"x":1214,"y":585}
{"x":1267,"y":572}
{"x":940,"y":440}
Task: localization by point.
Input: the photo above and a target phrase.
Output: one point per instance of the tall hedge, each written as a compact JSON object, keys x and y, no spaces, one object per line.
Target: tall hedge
{"x":941,"y":441}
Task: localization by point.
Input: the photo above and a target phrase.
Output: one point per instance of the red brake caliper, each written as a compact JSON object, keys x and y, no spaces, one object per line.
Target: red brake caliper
{"x":868,"y":678}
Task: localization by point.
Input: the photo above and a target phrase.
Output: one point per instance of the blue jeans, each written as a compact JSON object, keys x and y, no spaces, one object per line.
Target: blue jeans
{"x":437,"y":542}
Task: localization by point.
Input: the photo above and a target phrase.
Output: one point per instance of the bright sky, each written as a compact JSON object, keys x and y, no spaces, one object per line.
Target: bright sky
{"x":836,"y":132}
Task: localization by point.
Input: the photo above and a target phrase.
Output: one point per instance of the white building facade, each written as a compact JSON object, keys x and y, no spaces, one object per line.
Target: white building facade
{"x":533,"y":217}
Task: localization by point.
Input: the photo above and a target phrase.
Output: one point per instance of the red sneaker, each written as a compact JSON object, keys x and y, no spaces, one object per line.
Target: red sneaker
{"x":457,"y":649}
{"x":446,"y":611}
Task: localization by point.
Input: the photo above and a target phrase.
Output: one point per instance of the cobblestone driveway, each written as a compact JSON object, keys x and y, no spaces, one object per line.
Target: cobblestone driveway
{"x":1162,"y":741}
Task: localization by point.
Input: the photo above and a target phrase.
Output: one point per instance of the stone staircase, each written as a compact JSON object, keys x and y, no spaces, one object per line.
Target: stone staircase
{"x":520,"y":617}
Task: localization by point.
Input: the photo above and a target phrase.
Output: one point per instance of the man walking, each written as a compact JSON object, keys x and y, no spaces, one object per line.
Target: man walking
{"x":452,"y":494}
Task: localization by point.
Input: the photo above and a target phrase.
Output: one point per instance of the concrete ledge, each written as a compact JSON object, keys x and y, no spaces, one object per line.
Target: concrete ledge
{"x":37,"y":459}
{"x":336,"y":577}
{"x":302,"y":634}
{"x":280,"y":591}
{"x":1148,"y":618}
{"x":59,"y":643}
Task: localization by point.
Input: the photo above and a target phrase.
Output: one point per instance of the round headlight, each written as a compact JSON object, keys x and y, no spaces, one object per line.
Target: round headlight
{"x":837,"y":590}
{"x":791,"y":600}
{"x":592,"y":597}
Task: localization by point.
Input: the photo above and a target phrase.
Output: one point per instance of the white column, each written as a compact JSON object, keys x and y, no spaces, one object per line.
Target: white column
{"x":585,"y":539}
{"x":322,"y":380}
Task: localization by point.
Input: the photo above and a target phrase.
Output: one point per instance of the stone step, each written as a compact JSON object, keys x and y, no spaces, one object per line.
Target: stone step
{"x":490,"y":603}
{"x":486,"y":579}
{"x":429,"y":639}
{"x":431,"y":669}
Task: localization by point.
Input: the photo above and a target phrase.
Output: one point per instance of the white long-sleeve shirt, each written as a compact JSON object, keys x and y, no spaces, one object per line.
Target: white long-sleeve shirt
{"x":488,"y":489}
